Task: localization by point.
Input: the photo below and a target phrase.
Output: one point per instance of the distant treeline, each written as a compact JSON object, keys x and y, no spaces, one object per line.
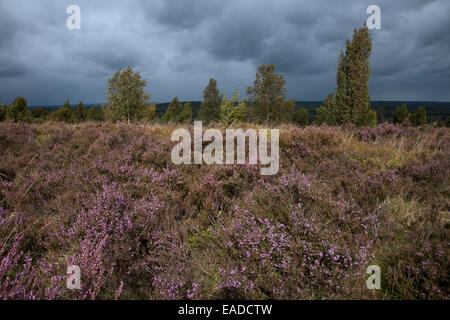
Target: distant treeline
{"x":20,"y":111}
{"x":437,"y":113}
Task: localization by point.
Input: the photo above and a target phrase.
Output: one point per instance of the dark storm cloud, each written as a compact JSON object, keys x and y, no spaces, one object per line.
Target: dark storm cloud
{"x":182,"y":14}
{"x":179,"y":44}
{"x":11,"y":71}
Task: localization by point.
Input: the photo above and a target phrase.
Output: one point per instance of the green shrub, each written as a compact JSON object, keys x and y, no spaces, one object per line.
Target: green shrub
{"x":301,"y":117}
{"x":18,"y":111}
{"x":401,"y":114}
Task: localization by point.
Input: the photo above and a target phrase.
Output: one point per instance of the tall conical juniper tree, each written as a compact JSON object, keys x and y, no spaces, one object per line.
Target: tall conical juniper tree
{"x":342,"y":109}
{"x":79,"y":113}
{"x":173,"y":111}
{"x":212,"y":100}
{"x":352,"y":92}
{"x":326,"y":113}
{"x":421,"y":116}
{"x":185,"y":115}
{"x":401,"y":114}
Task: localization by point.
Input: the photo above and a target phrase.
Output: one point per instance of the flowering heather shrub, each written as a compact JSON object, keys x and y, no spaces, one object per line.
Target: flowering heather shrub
{"x":415,"y":254}
{"x":330,"y":255}
{"x":107,"y":198}
{"x":382,"y":130}
{"x":121,"y":236}
{"x":23,"y":277}
{"x":260,"y":252}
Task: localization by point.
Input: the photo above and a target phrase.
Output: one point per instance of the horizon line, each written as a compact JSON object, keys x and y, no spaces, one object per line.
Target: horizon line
{"x":184,"y":101}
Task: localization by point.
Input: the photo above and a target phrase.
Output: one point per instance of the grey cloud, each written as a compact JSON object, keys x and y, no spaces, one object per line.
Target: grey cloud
{"x":13,"y":71}
{"x":181,"y":14}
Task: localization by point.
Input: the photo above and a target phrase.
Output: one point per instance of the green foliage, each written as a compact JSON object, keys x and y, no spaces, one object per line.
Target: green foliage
{"x":285,"y":112}
{"x":212,"y":100}
{"x":63,"y":114}
{"x":173,"y":111}
{"x":268,"y":97}
{"x":232,"y":110}
{"x":342,"y":111}
{"x":200,"y":238}
{"x":326,"y":112}
{"x":148,"y":113}
{"x":301,"y":117}
{"x":352,"y":92}
{"x":39,"y":114}
{"x":401,"y":114}
{"x":185,"y":115}
{"x":18,"y":111}
{"x":419,"y":118}
{"x":413,"y":119}
{"x":94,"y":114}
{"x":126,"y":95}
{"x":322,"y":115}
{"x":79,"y":113}
{"x":369,"y":119}
{"x":2,"y":112}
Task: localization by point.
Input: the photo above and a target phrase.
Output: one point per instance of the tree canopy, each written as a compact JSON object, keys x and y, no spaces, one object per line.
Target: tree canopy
{"x":268,"y":97}
{"x":232,"y":110}
{"x":401,"y":114}
{"x":18,"y":111}
{"x":126,"y":95}
{"x":79,"y":113}
{"x":212,"y":100}
{"x":173,"y":111}
{"x":326,"y":113}
{"x":63,"y":114}
{"x":352,"y":91}
{"x":185,"y":115}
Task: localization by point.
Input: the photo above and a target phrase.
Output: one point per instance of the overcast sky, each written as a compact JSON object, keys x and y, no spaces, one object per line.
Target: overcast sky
{"x":177,"y":45}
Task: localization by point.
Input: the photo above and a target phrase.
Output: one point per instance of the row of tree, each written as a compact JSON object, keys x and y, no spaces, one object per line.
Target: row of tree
{"x":19,"y":111}
{"x":267,"y":102}
{"x":228,"y":110}
{"x":402,"y":115}
{"x":266,"y":99}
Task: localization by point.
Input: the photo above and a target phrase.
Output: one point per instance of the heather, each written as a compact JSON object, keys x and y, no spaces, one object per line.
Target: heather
{"x":106,"y":197}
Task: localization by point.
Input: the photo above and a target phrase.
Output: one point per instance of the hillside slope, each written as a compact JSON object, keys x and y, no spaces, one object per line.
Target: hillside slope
{"x":107,"y":198}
